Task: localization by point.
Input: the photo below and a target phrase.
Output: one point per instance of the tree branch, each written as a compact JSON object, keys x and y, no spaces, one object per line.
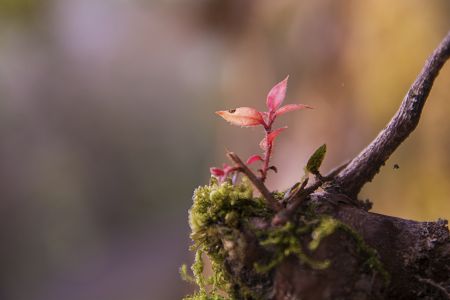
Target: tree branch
{"x":437,"y":286}
{"x":366,"y":165}
{"x":271,"y":201}
{"x":295,"y":200}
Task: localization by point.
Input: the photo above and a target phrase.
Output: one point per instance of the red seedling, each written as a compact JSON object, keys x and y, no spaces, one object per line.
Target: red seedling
{"x":250,"y":117}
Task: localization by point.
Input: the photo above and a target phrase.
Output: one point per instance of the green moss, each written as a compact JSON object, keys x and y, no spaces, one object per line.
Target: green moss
{"x":278,"y":195}
{"x":217,"y":213}
{"x":197,"y":269}
{"x":372,"y":261}
{"x":327,"y":226}
{"x":284,"y":241}
{"x":184,"y":274}
{"x":204,"y":296}
{"x":218,"y":217}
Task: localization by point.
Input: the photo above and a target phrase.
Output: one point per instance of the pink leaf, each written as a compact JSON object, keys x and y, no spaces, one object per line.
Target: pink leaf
{"x":242,"y":116}
{"x":227,"y":169}
{"x":291,"y":107}
{"x":254,"y":158}
{"x":270,"y":138}
{"x":276,"y":95}
{"x":217,"y":172}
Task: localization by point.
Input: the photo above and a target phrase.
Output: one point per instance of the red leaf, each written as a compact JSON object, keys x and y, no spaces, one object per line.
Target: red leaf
{"x":253,"y":158}
{"x":227,"y":169}
{"x":276,"y":95}
{"x":270,"y":138}
{"x":242,"y":116}
{"x":217,"y":172}
{"x":291,"y":107}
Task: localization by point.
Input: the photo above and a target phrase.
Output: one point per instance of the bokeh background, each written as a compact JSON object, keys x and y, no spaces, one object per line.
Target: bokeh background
{"x":107,"y":124}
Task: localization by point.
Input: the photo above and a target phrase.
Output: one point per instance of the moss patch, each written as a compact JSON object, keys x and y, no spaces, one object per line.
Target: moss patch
{"x":219,"y":216}
{"x":284,"y":241}
{"x":372,"y":260}
{"x":326,"y":227}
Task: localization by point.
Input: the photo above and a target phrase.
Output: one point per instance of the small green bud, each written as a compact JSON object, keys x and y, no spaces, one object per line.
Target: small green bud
{"x":316,"y":159}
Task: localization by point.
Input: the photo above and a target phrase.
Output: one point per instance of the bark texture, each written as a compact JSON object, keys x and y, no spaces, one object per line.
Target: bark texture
{"x":410,"y":251}
{"x":415,"y":255}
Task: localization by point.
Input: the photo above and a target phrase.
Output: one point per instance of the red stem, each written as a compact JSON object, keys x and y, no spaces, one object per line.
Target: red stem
{"x":268,"y":153}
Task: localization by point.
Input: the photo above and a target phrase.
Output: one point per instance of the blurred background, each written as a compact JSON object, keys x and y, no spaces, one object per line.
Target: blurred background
{"x":107,"y":124}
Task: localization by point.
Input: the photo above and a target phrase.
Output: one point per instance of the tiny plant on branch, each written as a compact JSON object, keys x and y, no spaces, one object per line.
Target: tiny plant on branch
{"x":275,"y":245}
{"x":250,"y":117}
{"x":222,"y":208}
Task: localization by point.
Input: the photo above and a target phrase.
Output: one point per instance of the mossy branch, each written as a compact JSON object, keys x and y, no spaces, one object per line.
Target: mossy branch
{"x":259,"y":185}
{"x":367,"y":164}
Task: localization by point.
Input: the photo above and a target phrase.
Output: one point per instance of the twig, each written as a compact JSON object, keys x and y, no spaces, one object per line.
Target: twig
{"x":273,"y":204}
{"x":296,"y":199}
{"x":299,"y":191}
{"x":335,"y":171}
{"x":366,"y":165}
{"x":435,"y":285}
